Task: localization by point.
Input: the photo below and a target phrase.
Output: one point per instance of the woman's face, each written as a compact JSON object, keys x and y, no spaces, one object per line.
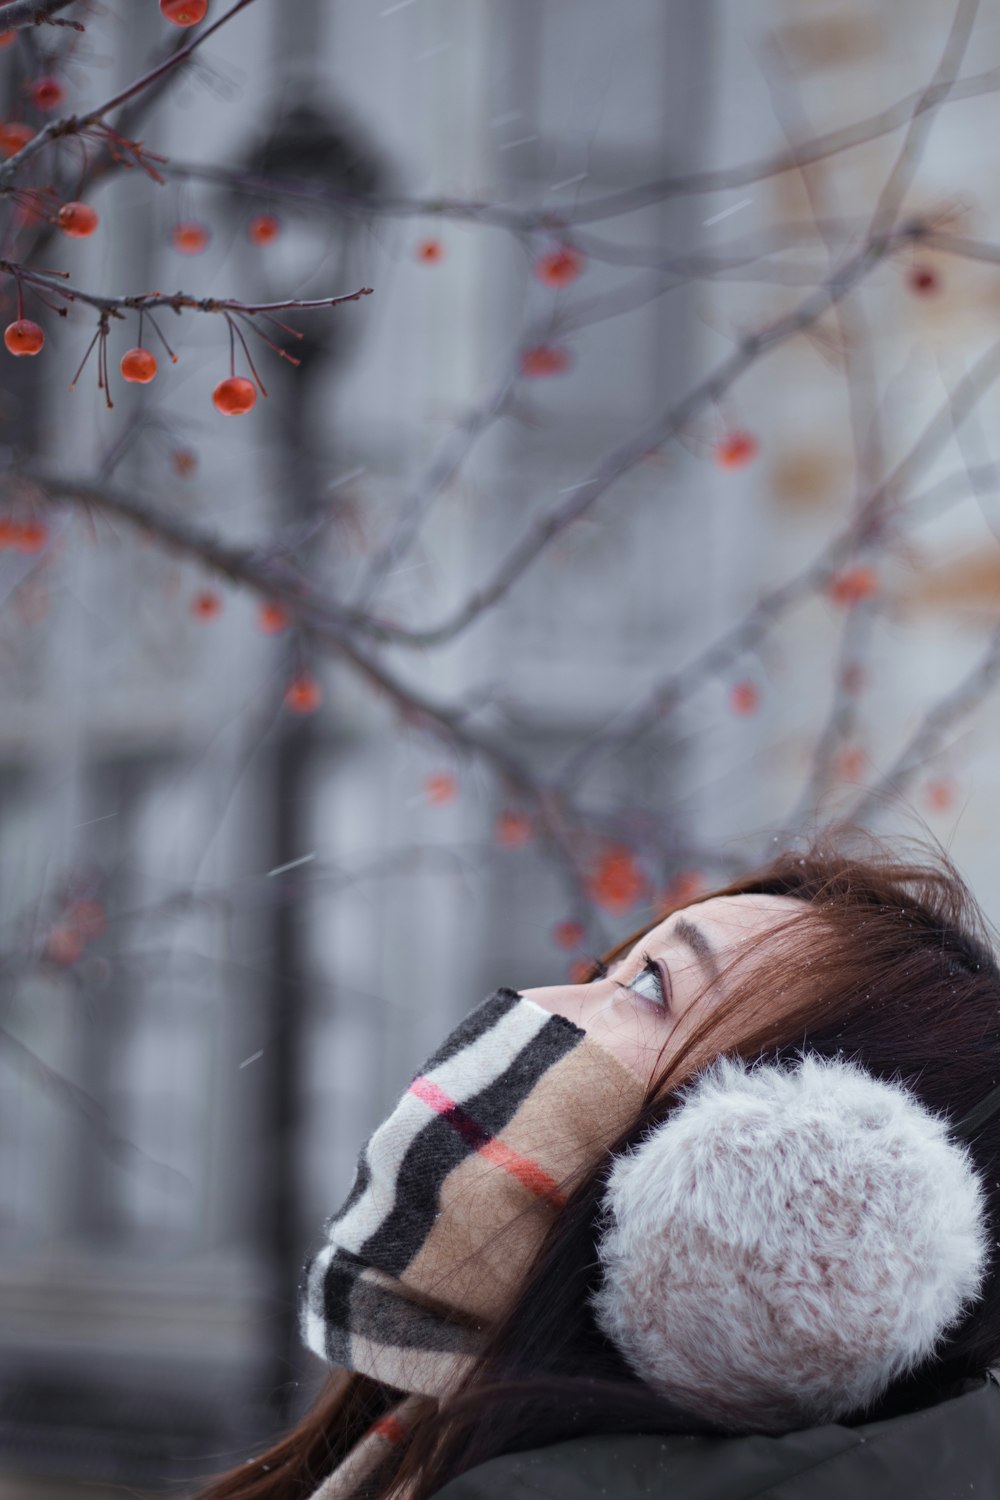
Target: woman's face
{"x":643,"y":1017}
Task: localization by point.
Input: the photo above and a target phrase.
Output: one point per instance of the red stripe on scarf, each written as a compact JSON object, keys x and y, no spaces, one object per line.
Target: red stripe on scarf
{"x":527,"y":1172}
{"x":391,"y":1429}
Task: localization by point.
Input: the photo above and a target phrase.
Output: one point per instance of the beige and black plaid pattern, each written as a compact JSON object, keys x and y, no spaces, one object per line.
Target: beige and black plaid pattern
{"x":452,"y":1196}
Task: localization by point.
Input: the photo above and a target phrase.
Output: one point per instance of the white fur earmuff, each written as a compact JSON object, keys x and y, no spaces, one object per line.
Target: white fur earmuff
{"x":788,"y":1242}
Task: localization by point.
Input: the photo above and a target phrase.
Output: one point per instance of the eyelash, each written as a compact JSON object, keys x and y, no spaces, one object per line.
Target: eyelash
{"x":649,"y":966}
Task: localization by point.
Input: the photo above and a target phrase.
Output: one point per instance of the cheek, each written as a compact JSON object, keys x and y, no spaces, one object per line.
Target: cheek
{"x":622,"y":1025}
{"x":633,"y":1034}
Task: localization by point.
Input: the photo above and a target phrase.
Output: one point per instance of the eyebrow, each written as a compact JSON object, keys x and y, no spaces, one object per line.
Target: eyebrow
{"x":696,"y":940}
{"x":698,"y":943}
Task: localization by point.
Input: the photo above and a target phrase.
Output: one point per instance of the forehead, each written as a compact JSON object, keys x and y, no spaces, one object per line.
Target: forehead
{"x":734,"y":917}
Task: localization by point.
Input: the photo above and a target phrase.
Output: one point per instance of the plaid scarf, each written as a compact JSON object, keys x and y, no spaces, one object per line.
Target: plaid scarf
{"x":452,"y":1197}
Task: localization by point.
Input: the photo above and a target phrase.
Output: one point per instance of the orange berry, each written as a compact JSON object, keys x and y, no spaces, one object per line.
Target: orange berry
{"x":23,"y":337}
{"x":47,"y":92}
{"x":744,"y":698}
{"x":430,"y":251}
{"x":183,"y":12}
{"x":617,"y":882}
{"x":923,"y":280}
{"x":568,"y":934}
{"x":850,"y":763}
{"x":560,"y":267}
{"x":30,"y":536}
{"x":440,"y":786}
{"x":64,"y":945}
{"x":138,"y":366}
{"x":88,"y":918}
{"x":184,"y":462}
{"x":736,"y":450}
{"x":206,"y":605}
{"x":272,"y":617}
{"x":262,"y":229}
{"x":303,"y":694}
{"x":853,"y":585}
{"x":940,"y":794}
{"x":14,"y":136}
{"x":77,"y":219}
{"x":234,"y":396}
{"x":544,"y":360}
{"x":513,"y":829}
{"x":189,"y":238}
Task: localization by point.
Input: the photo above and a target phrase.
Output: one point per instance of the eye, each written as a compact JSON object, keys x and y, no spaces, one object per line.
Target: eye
{"x":650,"y":983}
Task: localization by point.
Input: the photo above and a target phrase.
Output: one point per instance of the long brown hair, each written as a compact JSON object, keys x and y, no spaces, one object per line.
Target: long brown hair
{"x":890,"y":965}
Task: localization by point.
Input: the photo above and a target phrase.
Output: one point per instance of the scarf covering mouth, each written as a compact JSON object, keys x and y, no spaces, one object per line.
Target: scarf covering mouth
{"x":452,"y":1197}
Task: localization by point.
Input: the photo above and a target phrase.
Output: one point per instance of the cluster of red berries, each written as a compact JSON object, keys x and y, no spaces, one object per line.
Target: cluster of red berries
{"x":303,"y":694}
{"x":558,"y":268}
{"x":191,"y":237}
{"x":618,"y":883}
{"x":233,"y":396}
{"x":272,"y":617}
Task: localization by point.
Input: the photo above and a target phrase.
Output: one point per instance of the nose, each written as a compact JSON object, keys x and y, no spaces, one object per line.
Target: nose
{"x":577,"y":1002}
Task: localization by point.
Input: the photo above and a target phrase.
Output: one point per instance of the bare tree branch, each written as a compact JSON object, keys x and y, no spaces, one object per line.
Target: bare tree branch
{"x":618,"y":463}
{"x":624,"y":201}
{"x":21,"y":13}
{"x":77,"y":125}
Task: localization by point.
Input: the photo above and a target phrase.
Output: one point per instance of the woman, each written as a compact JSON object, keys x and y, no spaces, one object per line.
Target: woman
{"x":720,"y":1222}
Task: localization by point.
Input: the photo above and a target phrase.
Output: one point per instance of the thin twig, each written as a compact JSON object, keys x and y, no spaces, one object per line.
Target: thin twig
{"x":22,"y":13}
{"x":76,"y":124}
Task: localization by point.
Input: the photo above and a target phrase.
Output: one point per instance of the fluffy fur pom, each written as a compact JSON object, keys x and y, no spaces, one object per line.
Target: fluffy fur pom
{"x":788,"y":1242}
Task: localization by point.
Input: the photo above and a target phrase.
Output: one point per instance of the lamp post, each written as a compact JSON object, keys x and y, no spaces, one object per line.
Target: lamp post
{"x":311,"y":250}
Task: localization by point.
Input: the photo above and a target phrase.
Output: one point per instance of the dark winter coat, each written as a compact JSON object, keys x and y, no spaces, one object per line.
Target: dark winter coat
{"x":946,"y":1451}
